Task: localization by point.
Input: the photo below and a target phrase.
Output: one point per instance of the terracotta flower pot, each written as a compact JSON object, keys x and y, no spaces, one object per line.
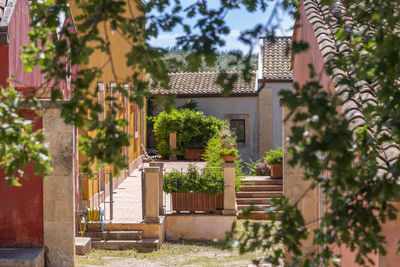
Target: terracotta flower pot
{"x":194,"y":153}
{"x":229,"y":158}
{"x":276,"y":171}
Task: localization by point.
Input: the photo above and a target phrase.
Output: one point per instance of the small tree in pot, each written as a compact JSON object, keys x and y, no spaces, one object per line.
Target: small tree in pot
{"x":228,"y":151}
{"x":274,"y":159}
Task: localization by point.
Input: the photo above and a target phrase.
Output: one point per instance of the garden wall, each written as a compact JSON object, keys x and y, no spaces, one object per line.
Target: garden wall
{"x":206,"y":227}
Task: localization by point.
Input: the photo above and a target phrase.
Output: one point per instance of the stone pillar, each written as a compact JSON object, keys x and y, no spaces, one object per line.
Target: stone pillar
{"x":58,"y":192}
{"x":150,"y":190}
{"x":265,"y":121}
{"x":294,"y":187}
{"x":172,"y":145}
{"x":160,"y":184}
{"x":229,"y":188}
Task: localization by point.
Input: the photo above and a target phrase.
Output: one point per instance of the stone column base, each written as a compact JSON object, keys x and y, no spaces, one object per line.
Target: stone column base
{"x":152,"y":220}
{"x":229,"y":212}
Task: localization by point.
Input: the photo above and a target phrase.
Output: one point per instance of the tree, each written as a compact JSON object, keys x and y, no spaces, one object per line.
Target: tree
{"x":359,"y":188}
{"x":225,"y":61}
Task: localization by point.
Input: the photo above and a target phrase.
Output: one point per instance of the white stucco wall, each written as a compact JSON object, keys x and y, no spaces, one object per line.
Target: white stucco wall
{"x":277,"y":110}
{"x":270,"y":116}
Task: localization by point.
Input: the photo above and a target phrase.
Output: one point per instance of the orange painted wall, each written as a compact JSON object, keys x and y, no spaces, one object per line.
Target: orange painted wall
{"x":115,"y":71}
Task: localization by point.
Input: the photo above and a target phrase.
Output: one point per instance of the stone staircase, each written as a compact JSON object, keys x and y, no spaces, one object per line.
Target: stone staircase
{"x":118,"y":237}
{"x":258,"y":190}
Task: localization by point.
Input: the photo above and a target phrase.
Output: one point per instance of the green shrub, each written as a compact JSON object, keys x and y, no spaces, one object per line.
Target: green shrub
{"x":212,"y":156}
{"x":209,"y":181}
{"x":229,"y":152}
{"x":274,"y":156}
{"x":193,"y":129}
{"x":212,"y":152}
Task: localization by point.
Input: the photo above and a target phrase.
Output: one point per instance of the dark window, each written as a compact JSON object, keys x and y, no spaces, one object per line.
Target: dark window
{"x":238,"y":130}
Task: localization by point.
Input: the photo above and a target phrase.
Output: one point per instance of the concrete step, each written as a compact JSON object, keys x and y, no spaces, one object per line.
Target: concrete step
{"x":261,"y":188}
{"x":260,"y":207}
{"x":140,"y":245}
{"x":258,"y":194}
{"x":115,"y":235}
{"x":83,"y":245}
{"x":11,"y":257}
{"x":256,"y":200}
{"x":261,"y":180}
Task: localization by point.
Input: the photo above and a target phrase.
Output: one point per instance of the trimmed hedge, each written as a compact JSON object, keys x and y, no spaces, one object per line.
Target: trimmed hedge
{"x":209,"y":181}
{"x":193,"y":128}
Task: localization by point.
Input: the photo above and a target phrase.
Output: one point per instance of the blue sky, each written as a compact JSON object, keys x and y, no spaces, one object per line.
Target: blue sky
{"x":238,"y":21}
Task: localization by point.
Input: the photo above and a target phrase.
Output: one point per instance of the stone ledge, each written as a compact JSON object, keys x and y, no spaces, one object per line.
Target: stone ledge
{"x":83,"y":245}
{"x":27,"y":257}
{"x":151,"y":169}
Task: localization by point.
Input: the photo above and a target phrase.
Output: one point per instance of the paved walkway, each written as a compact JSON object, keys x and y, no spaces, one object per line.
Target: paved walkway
{"x":127,"y":196}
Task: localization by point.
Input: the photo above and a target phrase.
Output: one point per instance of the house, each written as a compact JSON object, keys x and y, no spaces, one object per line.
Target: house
{"x":38,"y":218}
{"x":252,"y":109}
{"x":274,"y":75}
{"x":92,"y":190}
{"x":239,"y":108}
{"x":314,"y":28}
{"x":40,"y":213}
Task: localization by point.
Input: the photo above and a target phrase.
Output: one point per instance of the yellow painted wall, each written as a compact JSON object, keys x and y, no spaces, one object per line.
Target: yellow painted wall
{"x":115,"y":71}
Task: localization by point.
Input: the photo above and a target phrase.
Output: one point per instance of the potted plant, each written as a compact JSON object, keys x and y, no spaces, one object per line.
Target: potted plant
{"x":229,"y":155}
{"x":274,"y":159}
{"x":228,"y":151}
{"x":195,"y":191}
{"x":262,"y":169}
{"x":194,"y":150}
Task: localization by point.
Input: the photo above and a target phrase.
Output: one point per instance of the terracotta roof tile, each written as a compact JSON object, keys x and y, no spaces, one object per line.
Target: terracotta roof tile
{"x":319,"y":15}
{"x":276,"y":59}
{"x":202,"y":83}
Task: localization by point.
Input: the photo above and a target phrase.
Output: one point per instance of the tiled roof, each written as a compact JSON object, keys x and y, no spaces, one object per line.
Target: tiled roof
{"x":319,"y":15}
{"x":3,"y":4}
{"x":276,"y":59}
{"x":202,"y":83}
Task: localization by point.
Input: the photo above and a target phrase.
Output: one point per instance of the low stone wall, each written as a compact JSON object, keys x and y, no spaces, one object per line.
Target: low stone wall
{"x":205,"y":227}
{"x":136,"y":163}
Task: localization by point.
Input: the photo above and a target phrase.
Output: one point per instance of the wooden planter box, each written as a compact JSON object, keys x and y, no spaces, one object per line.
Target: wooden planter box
{"x":194,"y":153}
{"x":197,"y":202}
